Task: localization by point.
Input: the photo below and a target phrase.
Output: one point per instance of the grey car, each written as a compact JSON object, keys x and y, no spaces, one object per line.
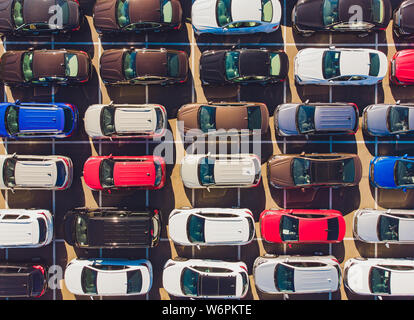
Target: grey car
{"x":388,"y":119}
{"x":293,"y":119}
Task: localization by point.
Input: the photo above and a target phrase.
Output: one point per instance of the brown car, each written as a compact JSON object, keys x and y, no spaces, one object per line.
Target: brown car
{"x":113,"y":16}
{"x":143,"y":66}
{"x":314,"y":170}
{"x":45,"y":67}
{"x":210,"y":117}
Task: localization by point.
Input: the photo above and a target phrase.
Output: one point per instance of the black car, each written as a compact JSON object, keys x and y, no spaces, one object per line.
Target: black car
{"x":22,"y":280}
{"x":403,"y":21}
{"x":112,"y":228}
{"x":39,"y":17}
{"x":360,"y":16}
{"x":243,"y":66}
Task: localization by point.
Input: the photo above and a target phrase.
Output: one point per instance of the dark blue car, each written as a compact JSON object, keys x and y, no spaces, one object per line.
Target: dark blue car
{"x":392,"y":172}
{"x":37,"y":120}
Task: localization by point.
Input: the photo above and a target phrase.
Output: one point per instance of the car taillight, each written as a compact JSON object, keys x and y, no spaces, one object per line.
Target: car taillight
{"x":76,"y":1}
{"x":156,"y":211}
{"x":43,"y":214}
{"x":275,"y":27}
{"x":39,"y":267}
{"x":67,"y":164}
{"x":244,"y":268}
{"x":249,"y":212}
{"x":77,"y":28}
{"x":334,"y":260}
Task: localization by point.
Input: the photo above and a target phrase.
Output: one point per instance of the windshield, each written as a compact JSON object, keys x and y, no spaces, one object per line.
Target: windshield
{"x":134,"y":281}
{"x":388,"y":228}
{"x":122,"y":13}
{"x":330,"y":12}
{"x":195,"y":229}
{"x":18,"y":13}
{"x":284,"y":278}
{"x":306,"y":119}
{"x":348,"y":170}
{"x":173,"y":64}
{"x":378,"y":11}
{"x":88,"y":280}
{"x":166,"y":11}
{"x":331,"y":66}
{"x":267,"y":10}
{"x":207,"y":118}
{"x":223,"y":12}
{"x":8,"y":172}
{"x":189,"y":282}
{"x":27,"y":66}
{"x":158,"y":173}
{"x":232,"y":65}
{"x":61,"y":173}
{"x":160,"y":119}
{"x":289,"y":229}
{"x":108,"y":120}
{"x":374,"y":66}
{"x":106,"y":173}
{"x":254,"y":118}
{"x":71,"y":62}
{"x":398,"y":119}
{"x":301,"y":171}
{"x":379,"y":280}
{"x":404,"y":173}
{"x":81,"y":231}
{"x":275,"y":64}
{"x":12,"y":120}
{"x":130,"y":65}
{"x":206,"y":171}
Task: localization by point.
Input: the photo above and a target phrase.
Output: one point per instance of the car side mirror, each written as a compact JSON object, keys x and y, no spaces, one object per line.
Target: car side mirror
{"x":397,"y":136}
{"x":405,"y":156}
{"x":404,"y":189}
{"x":208,"y":189}
{"x":17,"y":102}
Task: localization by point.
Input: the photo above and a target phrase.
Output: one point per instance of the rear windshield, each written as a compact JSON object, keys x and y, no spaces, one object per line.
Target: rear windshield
{"x":331,"y":66}
{"x":207,"y":119}
{"x":306,"y":119}
{"x":301,"y":171}
{"x":72,"y":65}
{"x":333,"y":229}
{"x":173,"y":65}
{"x":398,"y":119}
{"x":81,"y":231}
{"x":378,"y":11}
{"x":18,"y":13}
{"x":275,"y":64}
{"x":88,"y":280}
{"x":37,"y":282}
{"x":267,"y":10}
{"x":106,"y":173}
{"x":42,"y":230}
{"x":195,"y":229}
{"x":61,"y":173}
{"x":69,"y":120}
{"x":108,"y":121}
{"x":189,"y":282}
{"x":166,"y":11}
{"x":388,"y":228}
{"x":374,"y":65}
{"x":129,"y":66}
{"x":379,"y":280}
{"x":348,"y":171}
{"x":134,"y":281}
{"x":254,"y":116}
{"x":206,"y":171}
{"x":122,"y":13}
{"x":158,"y":173}
{"x":223,"y":12}
{"x":289,"y":229}
{"x":160,"y":119}
{"x":12,"y":120}
{"x":8,"y":172}
{"x":404,"y":173}
{"x":284,"y":278}
{"x":330,"y":12}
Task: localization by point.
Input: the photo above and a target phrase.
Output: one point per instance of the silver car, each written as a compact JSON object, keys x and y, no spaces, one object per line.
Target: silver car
{"x":388,"y":119}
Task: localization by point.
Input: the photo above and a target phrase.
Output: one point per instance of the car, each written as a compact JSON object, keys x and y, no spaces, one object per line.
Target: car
{"x":297,"y":274}
{"x":383,"y":120}
{"x":384,"y":226}
{"x":243,"y":66}
{"x":108,"y":277}
{"x":143,"y":66}
{"x":22,"y":228}
{"x":236,"y":118}
{"x":37,"y":120}
{"x":220,"y":171}
{"x":35,"y":17}
{"x":109,"y":227}
{"x":402,"y":22}
{"x":339,"y":67}
{"x":392,"y":172}
{"x":29,"y":172}
{"x":401,"y":67}
{"x":125,"y":121}
{"x":124,"y":172}
{"x":45,"y":67}
{"x":379,"y":276}
{"x":315,"y":170}
{"x":211,"y":226}
{"x":126,"y":16}
{"x":196,"y":278}
{"x":235,"y":16}
{"x":360,"y":16}
{"x":302,"y":226}
{"x":296,"y":119}
{"x":22,"y":280}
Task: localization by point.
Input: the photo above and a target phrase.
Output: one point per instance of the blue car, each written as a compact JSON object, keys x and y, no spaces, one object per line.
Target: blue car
{"x":37,"y":120}
{"x":392,"y":172}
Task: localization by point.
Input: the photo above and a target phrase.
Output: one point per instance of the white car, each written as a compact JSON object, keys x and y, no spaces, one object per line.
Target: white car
{"x":125,"y":121}
{"x":296,"y":274}
{"x":35,"y":172}
{"x":340,"y":67}
{"x":379,"y":276}
{"x":108,"y":277}
{"x":235,"y":16}
{"x":21,"y":228}
{"x":211,"y":226}
{"x":221,"y":171}
{"x":195,"y":278}
{"x":384,"y":226}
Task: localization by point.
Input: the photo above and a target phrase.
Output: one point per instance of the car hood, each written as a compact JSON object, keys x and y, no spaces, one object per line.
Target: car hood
{"x":366,"y":226}
{"x":280,"y":171}
{"x":357,"y":278}
{"x":189,"y":171}
{"x":286,"y":119}
{"x":264,"y":275}
{"x":92,"y":121}
{"x":134,"y":173}
{"x":269,"y":227}
{"x":309,"y":13}
{"x":203,"y":14}
{"x":49,"y":63}
{"x":47,"y":119}
{"x":177,"y":228}
{"x":189,"y":115}
{"x":111,"y":65}
{"x":308,"y":64}
{"x":10,"y":66}
{"x":72,"y":278}
{"x":104,"y":15}
{"x":377,"y":119}
{"x":171,"y":279}
{"x":212,"y":66}
{"x":6,"y":23}
{"x":384,"y":171}
{"x":91,"y":173}
{"x":404,"y":65}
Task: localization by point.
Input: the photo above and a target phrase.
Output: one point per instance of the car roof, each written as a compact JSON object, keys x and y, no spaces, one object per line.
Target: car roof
{"x":144,"y":10}
{"x":136,"y":172}
{"x":14,"y":284}
{"x":315,"y":279}
{"x":35,"y":119}
{"x":234,"y":170}
{"x":246,"y":10}
{"x":213,"y":285}
{"x":151,"y":62}
{"x":49,"y":63}
{"x":336,"y":118}
{"x":37,"y":11}
{"x":36,"y":173}
{"x":354,"y":62}
{"x":130,"y":120}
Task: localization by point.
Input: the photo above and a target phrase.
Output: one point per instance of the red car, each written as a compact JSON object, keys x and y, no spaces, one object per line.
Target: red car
{"x":110,"y":172}
{"x":402,"y":68}
{"x":302,"y":226}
